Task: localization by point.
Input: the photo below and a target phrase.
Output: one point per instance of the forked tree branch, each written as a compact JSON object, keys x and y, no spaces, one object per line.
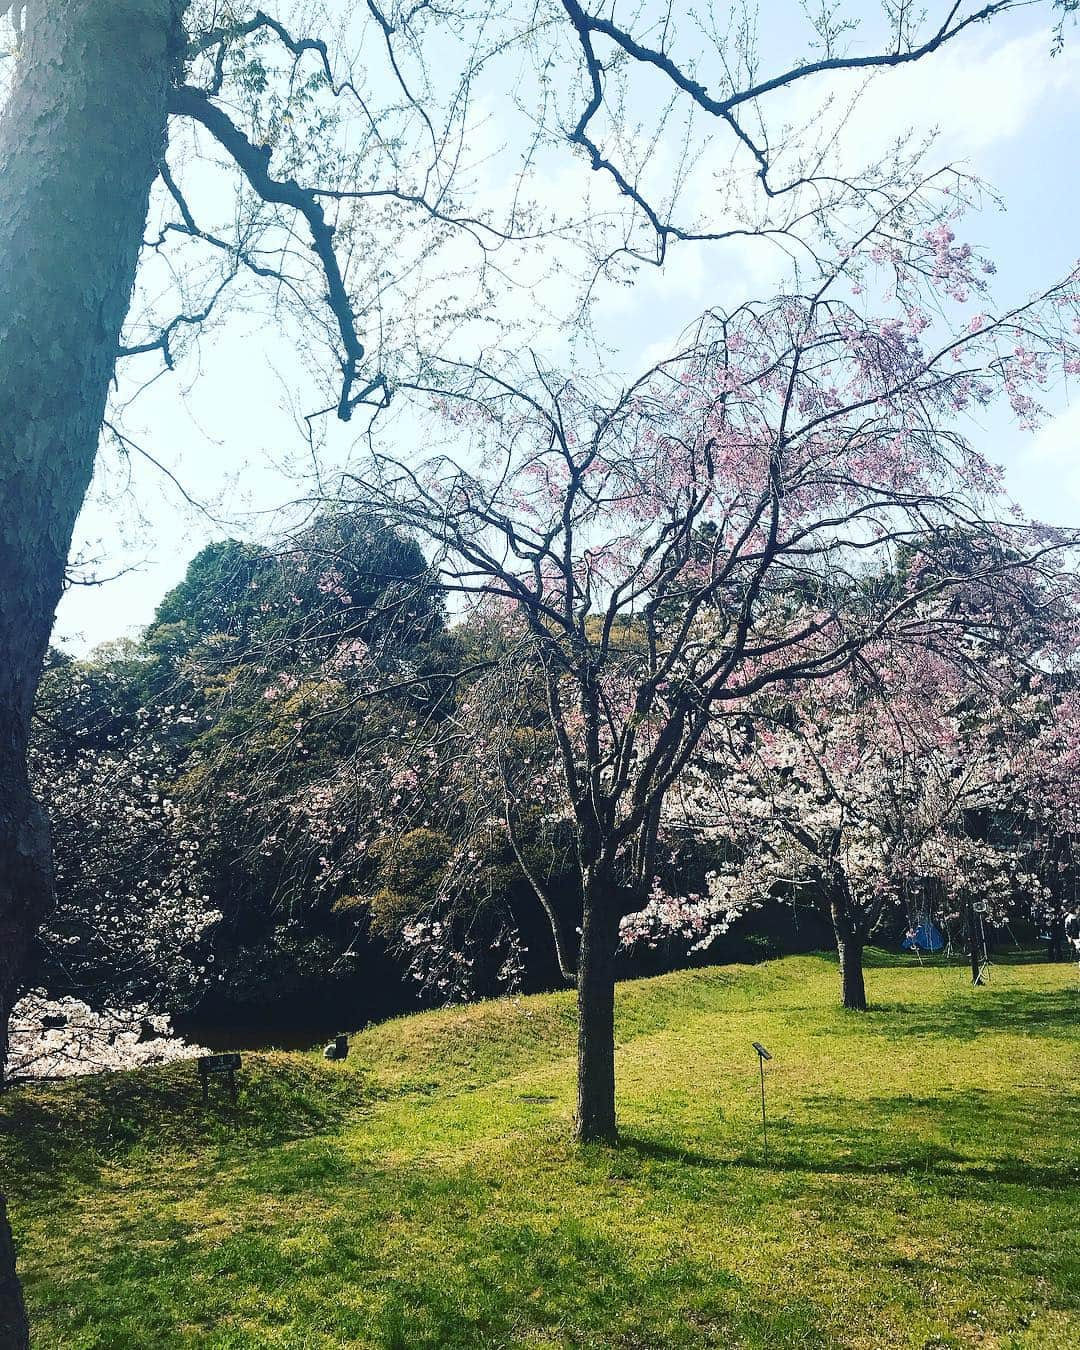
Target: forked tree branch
{"x":254,"y":162}
{"x":588,"y":26}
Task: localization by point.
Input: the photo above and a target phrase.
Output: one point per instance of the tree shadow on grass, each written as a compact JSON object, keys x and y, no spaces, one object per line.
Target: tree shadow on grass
{"x":457,"y":1278}
{"x":942,"y":1164}
{"x":975,"y":1135}
{"x":584,"y":1283}
{"x":656,"y":1150}
{"x":891,"y":1137}
{"x":1051,"y":1012}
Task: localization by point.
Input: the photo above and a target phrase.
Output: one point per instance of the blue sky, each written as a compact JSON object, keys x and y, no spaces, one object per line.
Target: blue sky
{"x":227,"y":423}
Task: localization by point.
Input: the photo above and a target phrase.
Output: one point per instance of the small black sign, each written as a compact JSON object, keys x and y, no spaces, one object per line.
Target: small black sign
{"x":218,"y":1063}
{"x":212,"y":1065}
{"x":761,"y":1050}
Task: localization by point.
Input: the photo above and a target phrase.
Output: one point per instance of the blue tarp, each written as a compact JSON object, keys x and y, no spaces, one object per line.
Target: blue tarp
{"x":923,"y":938}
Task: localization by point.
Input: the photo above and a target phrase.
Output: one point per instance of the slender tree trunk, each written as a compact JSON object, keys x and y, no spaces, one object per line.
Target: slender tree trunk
{"x":1055,"y":949}
{"x":596,"y":1017}
{"x":80,"y":140}
{"x":849,"y":946}
{"x":974,"y":951}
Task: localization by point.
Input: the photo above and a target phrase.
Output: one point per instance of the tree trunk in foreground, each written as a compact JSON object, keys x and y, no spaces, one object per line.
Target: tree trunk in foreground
{"x":13,"y":1326}
{"x":849,"y":946}
{"x":595,"y":1122}
{"x":80,"y":141}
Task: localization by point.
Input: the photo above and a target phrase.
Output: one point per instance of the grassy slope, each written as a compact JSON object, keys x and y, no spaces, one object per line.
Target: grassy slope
{"x":922,"y":1190}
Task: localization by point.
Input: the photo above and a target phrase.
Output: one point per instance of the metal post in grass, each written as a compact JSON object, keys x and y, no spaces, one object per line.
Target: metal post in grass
{"x":762,"y":1056}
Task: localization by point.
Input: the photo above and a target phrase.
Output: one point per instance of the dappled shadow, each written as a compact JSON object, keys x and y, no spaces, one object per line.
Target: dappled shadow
{"x":938,"y":1163}
{"x":415,"y":1320}
{"x":312,"y":1248}
{"x":452,"y":1252}
{"x":655,"y":1150}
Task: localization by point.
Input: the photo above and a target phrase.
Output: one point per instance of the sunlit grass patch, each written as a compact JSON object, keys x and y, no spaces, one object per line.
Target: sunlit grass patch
{"x":921,"y":1188}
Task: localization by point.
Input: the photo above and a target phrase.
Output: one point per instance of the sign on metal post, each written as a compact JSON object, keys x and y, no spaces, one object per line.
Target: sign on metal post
{"x":215,"y":1066}
{"x":763,"y":1055}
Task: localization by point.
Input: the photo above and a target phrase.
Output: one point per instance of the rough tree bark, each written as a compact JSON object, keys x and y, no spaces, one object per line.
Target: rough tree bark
{"x":80,"y":141}
{"x":595,"y":1122}
{"x":849,"y":947}
{"x":852,"y":985}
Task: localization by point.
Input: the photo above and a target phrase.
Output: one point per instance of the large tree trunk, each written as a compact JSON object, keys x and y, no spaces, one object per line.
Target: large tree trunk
{"x":849,"y":946}
{"x":852,"y":984}
{"x":80,"y":140}
{"x":596,"y":1017}
{"x":13,"y":1326}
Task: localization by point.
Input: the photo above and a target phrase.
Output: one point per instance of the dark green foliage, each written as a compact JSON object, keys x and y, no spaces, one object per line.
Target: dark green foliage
{"x":345,"y":577}
{"x":245,"y":698}
{"x":222,"y":592}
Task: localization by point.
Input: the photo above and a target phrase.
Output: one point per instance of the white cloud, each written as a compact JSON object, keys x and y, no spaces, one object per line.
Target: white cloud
{"x":979,"y":93}
{"x":1044,"y":469}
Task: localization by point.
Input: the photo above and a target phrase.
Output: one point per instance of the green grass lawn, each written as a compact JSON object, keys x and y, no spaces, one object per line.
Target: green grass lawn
{"x":922,"y":1187}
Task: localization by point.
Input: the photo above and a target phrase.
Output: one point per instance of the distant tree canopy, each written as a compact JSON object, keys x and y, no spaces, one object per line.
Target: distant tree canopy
{"x":344,"y":577}
{"x":273,"y":791}
{"x":183,"y":770}
{"x":220,"y":593}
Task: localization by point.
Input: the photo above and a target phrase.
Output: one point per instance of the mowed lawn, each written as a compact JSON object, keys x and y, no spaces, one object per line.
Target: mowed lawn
{"x":922,"y":1187}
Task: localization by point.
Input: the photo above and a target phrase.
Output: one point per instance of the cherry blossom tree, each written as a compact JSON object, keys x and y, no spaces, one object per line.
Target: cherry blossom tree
{"x":65,"y":1037}
{"x":716,"y":529}
{"x":859,"y":793}
{"x":931,"y":777}
{"x":1012,"y":751}
{"x":1046,"y":815}
{"x":132,"y":923}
